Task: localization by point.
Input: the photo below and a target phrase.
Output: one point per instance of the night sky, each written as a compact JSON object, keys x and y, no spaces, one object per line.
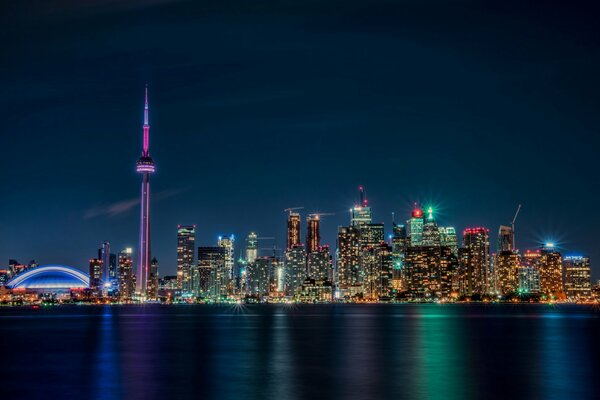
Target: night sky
{"x":260,"y":106}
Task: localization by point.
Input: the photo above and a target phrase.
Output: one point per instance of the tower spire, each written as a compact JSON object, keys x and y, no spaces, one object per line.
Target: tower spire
{"x":146,"y":149}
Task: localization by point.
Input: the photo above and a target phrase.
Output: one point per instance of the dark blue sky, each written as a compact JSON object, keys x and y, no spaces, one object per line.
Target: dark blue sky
{"x":254,"y":108}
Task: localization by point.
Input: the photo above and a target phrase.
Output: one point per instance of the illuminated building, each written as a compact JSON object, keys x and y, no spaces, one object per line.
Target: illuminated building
{"x":316,"y":291}
{"x":319,"y":264}
{"x":399,"y":245}
{"x":226,"y":276}
{"x":144,"y":166}
{"x":507,"y":266}
{"x":259,"y":276}
{"x":551,"y":271}
{"x":505,"y":238}
{"x":50,"y":279}
{"x":95,"y":271}
{"x":431,"y":233}
{"x":430,"y":272}
{"x":448,"y":238}
{"x":152,"y":288}
{"x":293,"y":230}
{"x":4,"y":276}
{"x":577,"y":277}
{"x":415,"y":225}
{"x":529,"y":280}
{"x":125,"y":277}
{"x":295,"y":269}
{"x":361,"y":213}
{"x":211,"y":265}
{"x":371,"y":234}
{"x":186,"y":237}
{"x":108,"y":265}
{"x":474,"y":262}
{"x":251,"y":247}
{"x":313,"y":233}
{"x":348,"y":258}
{"x":377,"y":264}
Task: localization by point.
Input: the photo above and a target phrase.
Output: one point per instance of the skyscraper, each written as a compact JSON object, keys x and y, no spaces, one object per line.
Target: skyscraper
{"x":313,"y":233}
{"x":293,"y":230}
{"x":125,"y":277}
{"x":295,"y":268}
{"x":145,"y":166}
{"x":153,"y":277}
{"x":448,"y":238}
{"x":506,"y":267}
{"x":104,"y":256}
{"x":95,"y":273}
{"x":319,"y":264}
{"x":371,"y":234}
{"x":377,"y":264}
{"x":551,"y":271}
{"x":361,"y":212}
{"x":431,"y":233}
{"x":227,"y":242}
{"x":505,"y":238}
{"x":251,"y":247}
{"x":474,"y":262}
{"x":186,"y":236}
{"x":577,"y":280}
{"x":348,"y":258}
{"x":415,"y":225}
{"x":211,"y":266}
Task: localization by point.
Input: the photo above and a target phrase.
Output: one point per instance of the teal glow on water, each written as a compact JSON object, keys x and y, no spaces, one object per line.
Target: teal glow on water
{"x":301,"y":352}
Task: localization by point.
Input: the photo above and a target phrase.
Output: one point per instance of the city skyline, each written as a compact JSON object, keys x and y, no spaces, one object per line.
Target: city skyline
{"x":474,"y":138}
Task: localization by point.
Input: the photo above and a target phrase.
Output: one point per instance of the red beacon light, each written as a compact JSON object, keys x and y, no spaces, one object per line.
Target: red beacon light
{"x":417,"y":213}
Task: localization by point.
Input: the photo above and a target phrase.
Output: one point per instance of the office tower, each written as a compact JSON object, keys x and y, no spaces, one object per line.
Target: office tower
{"x":259,"y":277}
{"x":361,"y":213}
{"x":144,"y":166}
{"x":431,"y":233}
{"x":506,"y":267}
{"x":95,"y":273}
{"x":577,"y":279}
{"x":212,"y":281}
{"x":295,"y":268}
{"x":293,"y":230}
{"x":152,"y":288}
{"x":448,"y":238}
{"x":415,"y":225}
{"x":430,"y":272}
{"x":505,"y":238}
{"x":186,"y":245}
{"x":377,"y":264}
{"x":474,"y":262}
{"x":371,"y":234}
{"x":348,"y":258}
{"x":313,"y":233}
{"x":551,"y":271}
{"x":399,"y":245}
{"x":125,"y":277}
{"x":320,"y":264}
{"x":104,"y":256}
{"x":529,"y":273}
{"x":227,"y":242}
{"x":251,"y":247}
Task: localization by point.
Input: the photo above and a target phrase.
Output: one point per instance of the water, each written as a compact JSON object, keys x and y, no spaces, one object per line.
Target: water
{"x":301,"y":352}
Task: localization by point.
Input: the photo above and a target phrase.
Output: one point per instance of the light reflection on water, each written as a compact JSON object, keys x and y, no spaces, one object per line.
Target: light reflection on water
{"x":302,"y":352}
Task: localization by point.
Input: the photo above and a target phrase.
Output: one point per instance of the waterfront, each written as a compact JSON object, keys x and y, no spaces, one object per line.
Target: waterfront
{"x":423,"y":351}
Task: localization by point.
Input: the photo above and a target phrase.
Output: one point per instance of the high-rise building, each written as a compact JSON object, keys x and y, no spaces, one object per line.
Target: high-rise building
{"x":144,"y":166}
{"x":264,"y":276}
{"x":227,"y":242}
{"x":430,"y":272}
{"x":211,"y":267}
{"x":577,"y":279}
{"x":505,"y":238}
{"x":551,"y":271}
{"x":529,"y":272}
{"x":295,"y":269}
{"x":415,"y":225}
{"x":95,"y":273}
{"x":371,"y":234}
{"x":431,"y":233}
{"x":361,"y":213}
{"x":186,"y":245}
{"x":448,"y":238}
{"x":293,"y":230}
{"x":377,"y":264}
{"x":251,"y":247}
{"x":104,"y":256}
{"x":320,"y":264}
{"x":125,"y":277}
{"x":400,"y":243}
{"x":348,"y":258}
{"x":153,"y":277}
{"x":506,"y":266}
{"x":474,"y":263}
{"x":313,"y":233}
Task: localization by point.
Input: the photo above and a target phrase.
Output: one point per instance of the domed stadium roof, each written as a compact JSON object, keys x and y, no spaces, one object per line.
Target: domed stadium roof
{"x":50,"y":277}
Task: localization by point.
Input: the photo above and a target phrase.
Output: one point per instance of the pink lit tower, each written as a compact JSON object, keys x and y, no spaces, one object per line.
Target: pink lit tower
{"x":145,"y":166}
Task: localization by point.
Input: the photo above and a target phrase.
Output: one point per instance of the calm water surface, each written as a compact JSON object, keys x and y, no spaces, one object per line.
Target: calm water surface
{"x":301,"y":352}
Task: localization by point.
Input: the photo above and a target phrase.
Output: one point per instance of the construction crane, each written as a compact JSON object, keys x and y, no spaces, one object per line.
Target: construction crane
{"x":512,"y":226}
{"x":293,"y":209}
{"x":318,"y":215}
{"x":265,"y":238}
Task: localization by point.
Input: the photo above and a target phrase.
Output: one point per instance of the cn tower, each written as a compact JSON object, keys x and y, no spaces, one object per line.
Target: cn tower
{"x":145,"y":166}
